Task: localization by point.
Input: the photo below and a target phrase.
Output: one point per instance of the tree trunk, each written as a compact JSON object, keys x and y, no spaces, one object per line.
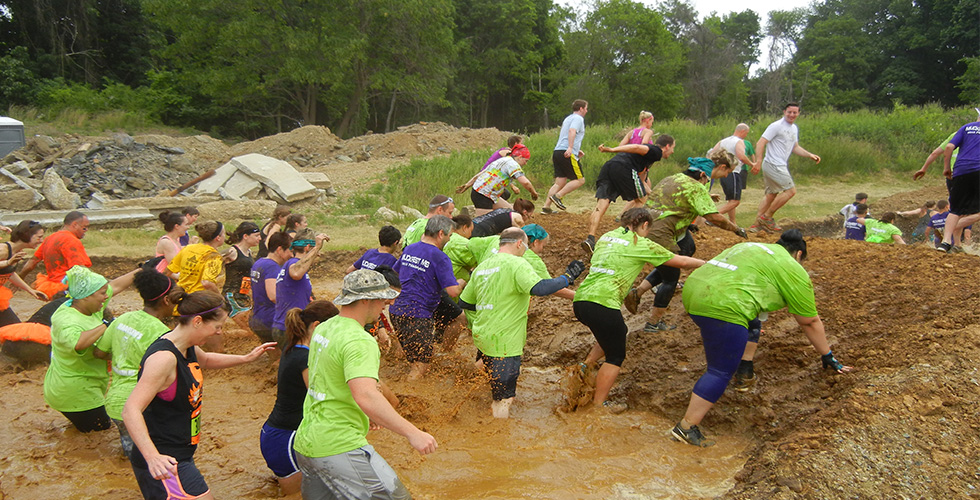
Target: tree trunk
{"x":353,"y":104}
{"x":391,"y":111}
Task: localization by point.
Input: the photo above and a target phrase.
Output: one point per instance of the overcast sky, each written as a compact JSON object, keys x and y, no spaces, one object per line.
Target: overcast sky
{"x":705,"y":7}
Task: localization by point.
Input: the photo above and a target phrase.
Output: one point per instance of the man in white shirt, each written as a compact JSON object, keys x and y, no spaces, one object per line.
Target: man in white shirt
{"x":567,"y":157}
{"x":737,"y":145}
{"x":782,"y":139}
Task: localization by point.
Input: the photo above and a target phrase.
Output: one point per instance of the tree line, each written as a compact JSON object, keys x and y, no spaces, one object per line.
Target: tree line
{"x":253,"y":67}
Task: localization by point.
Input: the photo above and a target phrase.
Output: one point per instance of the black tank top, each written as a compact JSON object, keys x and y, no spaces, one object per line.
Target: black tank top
{"x":492,"y":223}
{"x":175,"y":426}
{"x":290,"y":390}
{"x":264,"y":250}
{"x":10,"y":253}
{"x":237,"y":274}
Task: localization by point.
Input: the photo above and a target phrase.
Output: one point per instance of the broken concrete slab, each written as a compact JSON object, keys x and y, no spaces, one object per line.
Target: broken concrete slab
{"x":318,"y":179}
{"x":19,"y":199}
{"x":55,"y":218}
{"x":277,"y":175}
{"x":57,"y":194}
{"x":98,"y":201}
{"x":157,"y":204}
{"x":220,"y":177}
{"x":274,"y":196}
{"x":242,"y":185}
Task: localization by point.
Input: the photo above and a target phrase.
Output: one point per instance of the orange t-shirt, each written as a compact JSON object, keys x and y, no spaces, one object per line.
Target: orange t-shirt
{"x":60,"y":252}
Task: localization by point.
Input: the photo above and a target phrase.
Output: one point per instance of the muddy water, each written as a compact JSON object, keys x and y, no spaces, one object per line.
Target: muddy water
{"x":538,"y":453}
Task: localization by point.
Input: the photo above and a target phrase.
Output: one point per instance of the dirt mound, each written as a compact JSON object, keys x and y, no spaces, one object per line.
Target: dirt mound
{"x":303,"y":147}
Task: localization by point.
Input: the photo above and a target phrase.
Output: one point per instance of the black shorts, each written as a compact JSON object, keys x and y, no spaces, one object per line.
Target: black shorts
{"x":607,"y":327}
{"x":95,"y":419}
{"x":616,"y":181}
{"x":503,"y":375}
{"x":260,"y":329}
{"x":743,"y":176}
{"x":732,"y":186}
{"x":964,"y":194}
{"x":568,"y":168}
{"x":447,"y":310}
{"x":188,"y":483}
{"x":416,"y":337}
{"x":481,"y":201}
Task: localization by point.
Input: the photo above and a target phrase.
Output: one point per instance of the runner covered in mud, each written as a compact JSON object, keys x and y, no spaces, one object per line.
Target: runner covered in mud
{"x":128,"y":337}
{"x":293,"y":285}
{"x":619,"y":257}
{"x":426,"y":300}
{"x":439,"y":205}
{"x":389,"y":241}
{"x":278,"y":431}
{"x":238,"y":262}
{"x":343,"y":402}
{"x":263,"y":275}
{"x":743,"y":282}
{"x":76,"y":381}
{"x":675,"y":203}
{"x":498,"y":297}
{"x":60,"y":252}
{"x":27,"y":235}
{"x":495,"y":221}
{"x":490,"y":183}
{"x":163,"y":413}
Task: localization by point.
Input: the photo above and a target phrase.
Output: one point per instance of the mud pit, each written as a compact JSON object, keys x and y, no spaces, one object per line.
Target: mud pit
{"x":904,"y":425}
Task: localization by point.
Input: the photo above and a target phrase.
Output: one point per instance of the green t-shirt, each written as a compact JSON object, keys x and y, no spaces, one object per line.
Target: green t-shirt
{"x":501,"y":291}
{"x":747,"y":279}
{"x":619,"y":257}
{"x":485,"y":247}
{"x":414,"y":232}
{"x":75,"y":381}
{"x":340,"y":350}
{"x":952,"y":159}
{"x":749,"y":149}
{"x":457,"y":248}
{"x":880,"y":232}
{"x":680,"y":199}
{"x":127,"y":340}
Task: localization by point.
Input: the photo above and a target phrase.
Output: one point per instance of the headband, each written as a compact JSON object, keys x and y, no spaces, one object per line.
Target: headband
{"x":303,"y":243}
{"x":170,"y":284}
{"x":202,"y":313}
{"x":434,"y":205}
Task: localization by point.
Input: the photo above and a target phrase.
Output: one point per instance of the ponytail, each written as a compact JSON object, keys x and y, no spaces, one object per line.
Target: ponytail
{"x":298,"y":321}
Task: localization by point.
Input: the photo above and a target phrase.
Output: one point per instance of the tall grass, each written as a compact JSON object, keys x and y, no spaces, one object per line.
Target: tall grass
{"x":854,"y":144}
{"x":71,"y":120}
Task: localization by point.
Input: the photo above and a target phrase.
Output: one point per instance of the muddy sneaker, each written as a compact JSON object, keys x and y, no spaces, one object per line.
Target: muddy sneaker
{"x":660,"y":326}
{"x":546,"y":211}
{"x":956,"y":249}
{"x":755,"y":228}
{"x":589,"y":244}
{"x":614,"y":408}
{"x":557,"y":201}
{"x":768,"y":223}
{"x":691,"y":436}
{"x":743,"y":382}
{"x":632,"y":301}
{"x":943,"y":247}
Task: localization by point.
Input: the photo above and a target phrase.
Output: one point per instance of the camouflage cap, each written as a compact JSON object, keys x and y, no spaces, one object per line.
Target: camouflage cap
{"x":364,"y":284}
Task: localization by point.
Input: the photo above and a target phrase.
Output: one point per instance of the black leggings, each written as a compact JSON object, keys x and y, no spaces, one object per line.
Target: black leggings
{"x":95,"y":419}
{"x":667,"y":276}
{"x":8,"y":317}
{"x":607,"y":327}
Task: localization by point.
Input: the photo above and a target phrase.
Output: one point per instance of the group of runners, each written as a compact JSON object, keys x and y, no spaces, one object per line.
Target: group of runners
{"x":329,"y":392}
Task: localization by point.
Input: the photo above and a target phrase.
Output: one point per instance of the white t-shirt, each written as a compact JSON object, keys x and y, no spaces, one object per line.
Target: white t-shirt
{"x":729,"y":143}
{"x":782,"y":137}
{"x":572,"y":121}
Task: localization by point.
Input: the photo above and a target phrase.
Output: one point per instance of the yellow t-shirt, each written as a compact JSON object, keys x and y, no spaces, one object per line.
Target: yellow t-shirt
{"x":196,"y":263}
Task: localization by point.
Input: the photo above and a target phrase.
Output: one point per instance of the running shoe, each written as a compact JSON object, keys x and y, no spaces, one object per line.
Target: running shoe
{"x":614,"y":408}
{"x":660,"y":326}
{"x":589,"y":244}
{"x":632,"y":301}
{"x":692,"y":436}
{"x":744,"y":382}
{"x":755,"y":228}
{"x":546,"y":210}
{"x":768,"y":223}
{"x":944,"y":247}
{"x":557,"y":201}
{"x":956,"y":249}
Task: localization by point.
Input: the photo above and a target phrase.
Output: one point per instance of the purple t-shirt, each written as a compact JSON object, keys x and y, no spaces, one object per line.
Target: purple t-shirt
{"x":854,"y":230}
{"x":967,"y":138}
{"x":373,"y":258}
{"x":263,"y":309}
{"x":424,"y":271}
{"x":494,"y":157}
{"x":290,"y":293}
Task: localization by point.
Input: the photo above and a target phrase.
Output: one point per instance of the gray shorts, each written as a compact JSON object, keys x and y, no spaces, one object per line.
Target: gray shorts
{"x":776,"y":178}
{"x":355,"y":475}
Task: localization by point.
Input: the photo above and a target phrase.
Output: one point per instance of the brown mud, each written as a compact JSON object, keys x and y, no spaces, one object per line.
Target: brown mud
{"x":903,"y":425}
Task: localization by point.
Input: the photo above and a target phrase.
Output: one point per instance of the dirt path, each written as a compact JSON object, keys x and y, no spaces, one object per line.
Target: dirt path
{"x":903,"y":426}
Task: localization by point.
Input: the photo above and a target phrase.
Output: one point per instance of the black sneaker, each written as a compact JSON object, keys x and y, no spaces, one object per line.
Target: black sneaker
{"x":944,"y":247}
{"x":589,"y":244}
{"x":557,"y":201}
{"x":691,"y":436}
{"x":660,"y":326}
{"x":743,"y":382}
{"x":547,"y":211}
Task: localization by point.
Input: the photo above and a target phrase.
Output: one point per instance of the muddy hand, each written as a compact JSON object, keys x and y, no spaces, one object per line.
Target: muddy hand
{"x":829,"y":361}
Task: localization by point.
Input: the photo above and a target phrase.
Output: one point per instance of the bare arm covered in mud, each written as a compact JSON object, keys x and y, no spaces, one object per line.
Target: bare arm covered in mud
{"x":379,"y":410}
